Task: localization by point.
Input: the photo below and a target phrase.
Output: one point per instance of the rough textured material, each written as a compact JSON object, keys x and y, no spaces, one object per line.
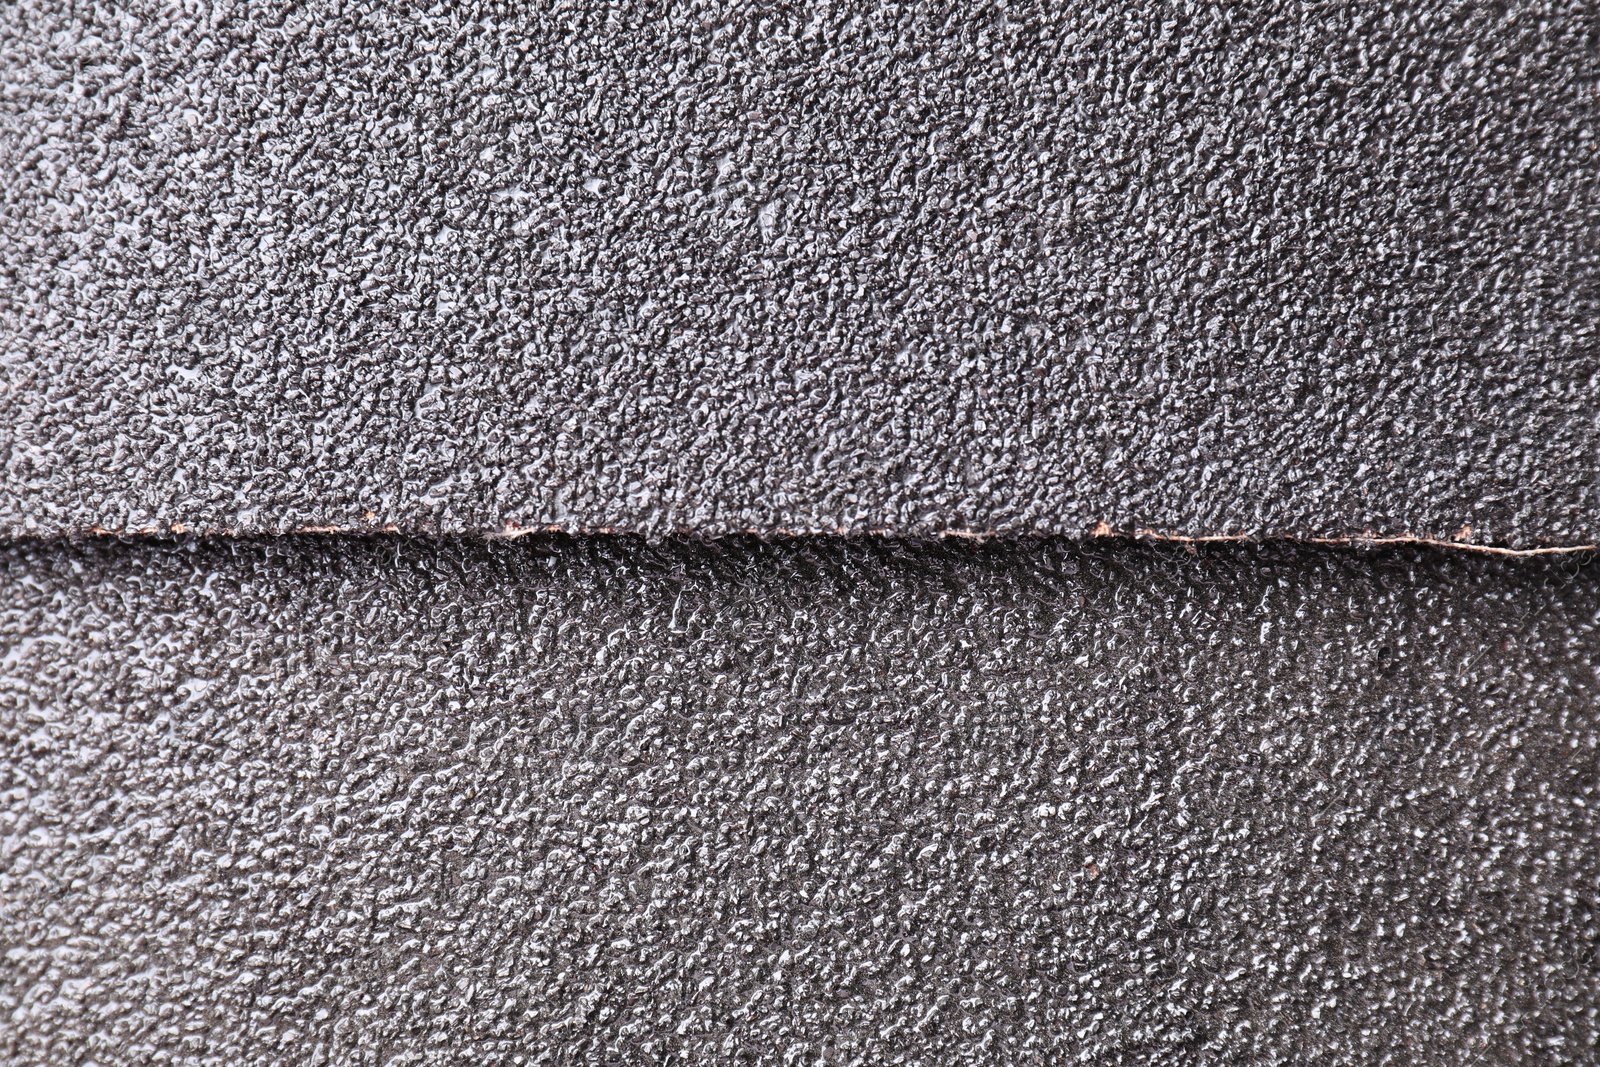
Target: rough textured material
{"x":396,"y":802}
{"x":1277,"y":268}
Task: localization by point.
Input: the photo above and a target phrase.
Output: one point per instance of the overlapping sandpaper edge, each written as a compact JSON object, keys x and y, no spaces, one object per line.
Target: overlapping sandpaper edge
{"x":1101,"y":533}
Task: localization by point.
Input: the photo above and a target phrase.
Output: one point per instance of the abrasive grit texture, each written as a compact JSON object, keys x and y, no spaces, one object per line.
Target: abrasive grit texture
{"x":1270,"y":269}
{"x":390,"y":801}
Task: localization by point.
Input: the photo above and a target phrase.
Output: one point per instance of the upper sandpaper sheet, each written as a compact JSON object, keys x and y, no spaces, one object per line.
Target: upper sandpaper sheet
{"x":1273,"y":270}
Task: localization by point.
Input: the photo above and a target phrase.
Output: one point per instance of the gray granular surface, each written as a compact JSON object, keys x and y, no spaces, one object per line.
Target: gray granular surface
{"x":582,"y":802}
{"x":1270,"y":269}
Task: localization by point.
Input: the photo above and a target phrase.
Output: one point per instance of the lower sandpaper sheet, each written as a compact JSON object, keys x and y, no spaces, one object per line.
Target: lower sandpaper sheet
{"x":552,"y":801}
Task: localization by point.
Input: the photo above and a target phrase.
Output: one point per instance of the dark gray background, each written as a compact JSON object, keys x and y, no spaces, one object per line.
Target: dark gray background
{"x":1270,"y":269}
{"x":391,"y":802}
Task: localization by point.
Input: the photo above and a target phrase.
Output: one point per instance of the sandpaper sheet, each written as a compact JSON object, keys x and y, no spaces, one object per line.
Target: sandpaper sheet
{"x":321,"y":800}
{"x":1269,"y":270}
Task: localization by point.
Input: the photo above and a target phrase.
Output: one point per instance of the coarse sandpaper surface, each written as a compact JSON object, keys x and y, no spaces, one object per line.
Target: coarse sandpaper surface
{"x":1276,"y":269}
{"x":387,"y":801}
